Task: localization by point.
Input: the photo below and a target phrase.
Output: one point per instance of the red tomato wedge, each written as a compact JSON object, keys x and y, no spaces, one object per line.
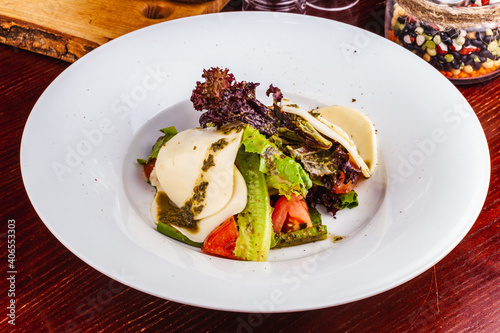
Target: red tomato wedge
{"x":344,"y":188}
{"x":222,"y":240}
{"x":148,"y":168}
{"x":288,"y":215}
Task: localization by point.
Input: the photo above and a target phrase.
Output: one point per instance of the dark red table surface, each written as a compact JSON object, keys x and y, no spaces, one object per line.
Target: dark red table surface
{"x":55,"y":291}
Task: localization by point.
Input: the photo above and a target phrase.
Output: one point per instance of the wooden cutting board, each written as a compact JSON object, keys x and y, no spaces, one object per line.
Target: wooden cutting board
{"x":68,"y":29}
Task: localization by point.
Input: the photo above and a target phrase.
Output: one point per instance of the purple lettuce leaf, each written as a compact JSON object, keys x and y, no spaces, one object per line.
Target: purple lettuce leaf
{"x":224,"y":100}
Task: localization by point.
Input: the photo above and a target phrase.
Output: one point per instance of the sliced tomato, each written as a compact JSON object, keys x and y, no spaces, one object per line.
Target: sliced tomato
{"x":298,"y":216}
{"x":344,"y":188}
{"x":280,"y":213}
{"x":148,"y":167}
{"x":290,"y":214}
{"x":222,"y":240}
{"x":293,"y":225}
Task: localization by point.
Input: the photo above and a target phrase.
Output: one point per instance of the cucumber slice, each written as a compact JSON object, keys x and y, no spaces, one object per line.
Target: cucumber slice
{"x":171,"y":232}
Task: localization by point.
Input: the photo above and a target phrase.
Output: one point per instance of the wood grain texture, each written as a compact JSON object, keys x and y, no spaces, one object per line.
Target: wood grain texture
{"x":69,"y":29}
{"x":57,"y":292}
{"x":29,"y":36}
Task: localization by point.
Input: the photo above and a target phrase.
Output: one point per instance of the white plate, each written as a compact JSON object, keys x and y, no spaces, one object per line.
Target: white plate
{"x":82,"y":138}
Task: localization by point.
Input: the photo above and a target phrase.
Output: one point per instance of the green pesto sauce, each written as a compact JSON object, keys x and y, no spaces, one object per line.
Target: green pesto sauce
{"x":229,"y":129}
{"x":208,"y":163}
{"x":219,"y":145}
{"x":214,"y":147}
{"x":169,"y":214}
{"x":199,"y":193}
{"x":336,"y":238}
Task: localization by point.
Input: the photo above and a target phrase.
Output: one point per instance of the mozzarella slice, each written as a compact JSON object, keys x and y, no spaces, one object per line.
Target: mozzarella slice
{"x":359,"y":128}
{"x":335,"y":132}
{"x":196,"y":167}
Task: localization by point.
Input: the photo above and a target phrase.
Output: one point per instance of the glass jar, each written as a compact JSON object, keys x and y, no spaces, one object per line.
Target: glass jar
{"x":462,"y":42}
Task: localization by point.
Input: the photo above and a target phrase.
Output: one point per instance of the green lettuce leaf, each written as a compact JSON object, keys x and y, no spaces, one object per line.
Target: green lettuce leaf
{"x":282,"y":172}
{"x":168,"y":133}
{"x":349,"y":200}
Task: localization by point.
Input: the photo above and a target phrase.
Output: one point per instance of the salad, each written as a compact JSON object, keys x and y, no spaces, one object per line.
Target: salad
{"x":250,"y":178}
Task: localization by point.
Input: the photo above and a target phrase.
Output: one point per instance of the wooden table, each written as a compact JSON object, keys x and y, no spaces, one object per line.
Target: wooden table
{"x":57,"y":292}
